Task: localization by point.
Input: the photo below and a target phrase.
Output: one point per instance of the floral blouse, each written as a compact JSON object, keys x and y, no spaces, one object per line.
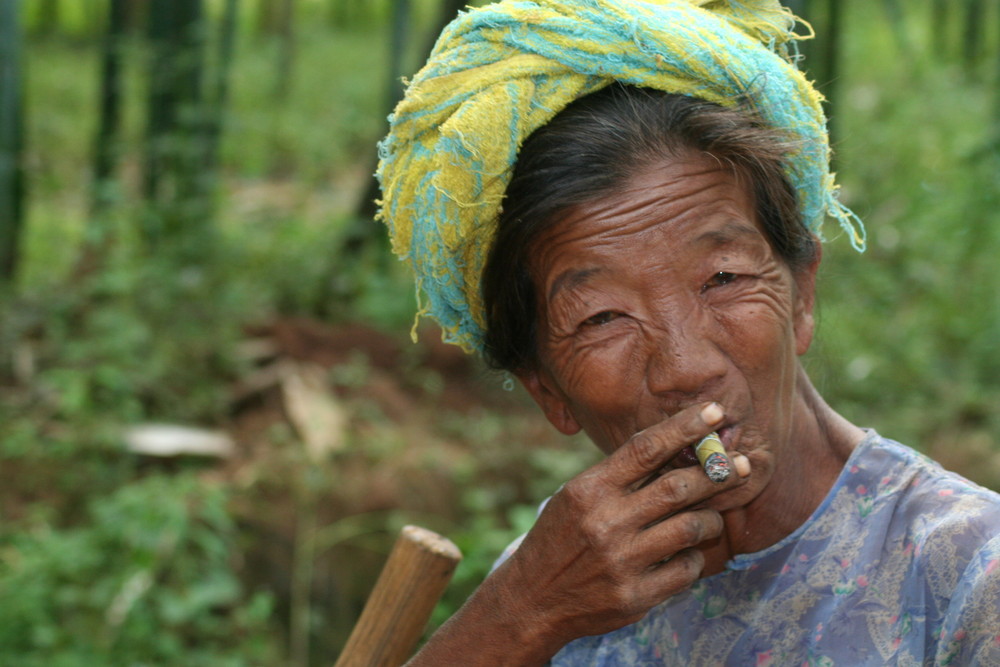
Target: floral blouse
{"x":899,"y":565}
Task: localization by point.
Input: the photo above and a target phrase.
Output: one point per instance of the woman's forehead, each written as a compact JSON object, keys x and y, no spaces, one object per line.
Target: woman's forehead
{"x":676,"y":207}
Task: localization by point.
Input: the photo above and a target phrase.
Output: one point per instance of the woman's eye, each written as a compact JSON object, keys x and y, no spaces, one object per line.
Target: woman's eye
{"x":600,"y":318}
{"x":719,"y":279}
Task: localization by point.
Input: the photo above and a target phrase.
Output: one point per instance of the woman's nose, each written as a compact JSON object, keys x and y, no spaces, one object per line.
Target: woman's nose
{"x":684,"y":364}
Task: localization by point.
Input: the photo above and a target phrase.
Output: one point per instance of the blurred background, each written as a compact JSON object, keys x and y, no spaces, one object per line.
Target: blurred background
{"x":212,"y":418}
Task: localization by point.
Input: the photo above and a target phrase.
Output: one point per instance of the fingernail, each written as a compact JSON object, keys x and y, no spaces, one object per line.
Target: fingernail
{"x":711,"y":414}
{"x":741,"y":464}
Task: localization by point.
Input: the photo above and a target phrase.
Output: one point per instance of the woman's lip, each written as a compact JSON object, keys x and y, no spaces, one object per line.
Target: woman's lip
{"x":685,"y":458}
{"x":726,"y":435}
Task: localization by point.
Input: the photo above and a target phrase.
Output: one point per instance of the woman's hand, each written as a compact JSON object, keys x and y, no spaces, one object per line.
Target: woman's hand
{"x":609,"y":546}
{"x":614,"y":542}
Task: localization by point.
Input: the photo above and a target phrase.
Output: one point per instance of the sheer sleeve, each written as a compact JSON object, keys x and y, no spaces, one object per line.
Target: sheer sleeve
{"x":970,"y":631}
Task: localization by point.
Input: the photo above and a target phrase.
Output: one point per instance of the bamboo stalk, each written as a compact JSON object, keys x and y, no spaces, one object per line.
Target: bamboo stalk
{"x":831,"y":68}
{"x":216,"y":107}
{"x":972,"y":32}
{"x":897,"y":22}
{"x":418,"y":570}
{"x":365,"y":211}
{"x":304,"y":558}
{"x":939,"y":26}
{"x":286,"y":50}
{"x":109,"y":115}
{"x":97,"y":241}
{"x":11,"y":139}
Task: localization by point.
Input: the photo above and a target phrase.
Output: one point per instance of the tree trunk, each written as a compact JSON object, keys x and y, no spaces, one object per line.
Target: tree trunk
{"x":286,"y":49}
{"x":160,"y":111}
{"x":266,"y":20}
{"x":216,"y":108}
{"x":11,"y":140}
{"x":972,"y":33}
{"x":397,"y":49}
{"x":106,"y":148}
{"x":135,"y":15}
{"x":897,"y":20}
{"x":996,"y":90}
{"x":175,"y":184}
{"x":939,"y":27}
{"x":46,"y":18}
{"x":831,"y":64}
{"x":107,"y":144}
{"x":366,"y":207}
{"x":364,"y":233}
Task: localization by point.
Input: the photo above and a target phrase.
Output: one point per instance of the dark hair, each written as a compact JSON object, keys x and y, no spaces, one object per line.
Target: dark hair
{"x":591,"y":148}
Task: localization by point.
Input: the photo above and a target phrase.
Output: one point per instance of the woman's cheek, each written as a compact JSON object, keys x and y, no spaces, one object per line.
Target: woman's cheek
{"x":606,"y":384}
{"x":590,"y":371}
{"x":758,"y":335}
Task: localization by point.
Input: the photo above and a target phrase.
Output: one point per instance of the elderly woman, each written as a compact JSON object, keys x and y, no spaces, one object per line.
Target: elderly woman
{"x":618,"y":202}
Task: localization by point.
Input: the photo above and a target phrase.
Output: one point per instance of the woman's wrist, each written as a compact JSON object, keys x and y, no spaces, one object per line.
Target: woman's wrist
{"x":496,"y":626}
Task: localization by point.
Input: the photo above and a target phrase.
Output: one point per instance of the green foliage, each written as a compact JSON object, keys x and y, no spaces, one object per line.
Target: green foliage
{"x":130,"y":342}
{"x":497,"y":513}
{"x":146,"y":579}
{"x":909,"y":331}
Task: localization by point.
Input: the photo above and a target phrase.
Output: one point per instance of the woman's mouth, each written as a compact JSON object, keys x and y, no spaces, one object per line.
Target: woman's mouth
{"x":686,"y":457}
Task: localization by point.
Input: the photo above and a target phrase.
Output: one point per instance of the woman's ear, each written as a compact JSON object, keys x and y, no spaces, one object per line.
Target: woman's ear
{"x":805,"y":301}
{"x":550,"y":399}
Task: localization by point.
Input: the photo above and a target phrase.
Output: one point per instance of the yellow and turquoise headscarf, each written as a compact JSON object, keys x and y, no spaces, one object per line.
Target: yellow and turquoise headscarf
{"x":499,"y":72}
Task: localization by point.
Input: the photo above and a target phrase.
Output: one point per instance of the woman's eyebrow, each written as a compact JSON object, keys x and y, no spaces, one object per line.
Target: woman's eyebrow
{"x":569,"y":279}
{"x":731,"y":232}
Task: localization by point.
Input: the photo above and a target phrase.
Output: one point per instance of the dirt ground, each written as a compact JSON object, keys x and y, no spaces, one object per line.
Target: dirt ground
{"x":416,"y":425}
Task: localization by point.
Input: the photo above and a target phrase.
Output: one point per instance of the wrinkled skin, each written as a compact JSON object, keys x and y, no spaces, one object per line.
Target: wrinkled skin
{"x":654,"y":304}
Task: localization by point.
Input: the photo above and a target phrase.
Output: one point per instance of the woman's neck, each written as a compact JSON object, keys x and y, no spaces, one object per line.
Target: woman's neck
{"x":823,"y":441}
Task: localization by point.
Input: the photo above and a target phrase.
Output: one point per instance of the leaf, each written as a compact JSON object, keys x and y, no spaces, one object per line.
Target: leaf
{"x":168,"y":440}
{"x":313,"y":410}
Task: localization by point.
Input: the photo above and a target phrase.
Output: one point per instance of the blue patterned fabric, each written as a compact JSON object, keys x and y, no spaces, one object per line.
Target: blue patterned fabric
{"x":900,"y":565}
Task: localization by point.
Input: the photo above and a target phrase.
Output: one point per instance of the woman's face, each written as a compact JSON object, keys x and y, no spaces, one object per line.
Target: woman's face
{"x":667,"y":294}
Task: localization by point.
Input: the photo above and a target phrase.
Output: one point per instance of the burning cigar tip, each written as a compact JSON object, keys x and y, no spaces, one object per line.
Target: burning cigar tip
{"x":712,"y":456}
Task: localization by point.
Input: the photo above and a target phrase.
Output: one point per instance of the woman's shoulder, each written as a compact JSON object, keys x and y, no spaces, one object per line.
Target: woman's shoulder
{"x":946,"y":518}
{"x":890,"y":467}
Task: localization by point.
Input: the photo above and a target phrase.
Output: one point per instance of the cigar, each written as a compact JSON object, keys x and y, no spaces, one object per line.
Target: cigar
{"x":712,"y":456}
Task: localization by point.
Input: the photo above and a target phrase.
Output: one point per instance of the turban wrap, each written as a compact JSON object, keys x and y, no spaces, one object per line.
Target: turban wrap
{"x":499,"y":72}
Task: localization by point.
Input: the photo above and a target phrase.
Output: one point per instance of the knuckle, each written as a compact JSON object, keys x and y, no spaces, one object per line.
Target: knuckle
{"x":597,"y":533}
{"x":626,"y":600}
{"x":691,"y":562}
{"x":681,"y":571}
{"x":672,"y":489}
{"x":689,"y":529}
{"x":644,"y":451}
{"x":575,"y":494}
{"x":695,"y":527}
{"x":684,"y":570}
{"x":685,"y":531}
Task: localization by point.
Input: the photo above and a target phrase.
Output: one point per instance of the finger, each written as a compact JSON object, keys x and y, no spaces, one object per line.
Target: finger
{"x":655,"y":584}
{"x":647,"y":451}
{"x":673,"y":492}
{"x":685,"y":530}
{"x":674,"y":575}
{"x":662,"y":542}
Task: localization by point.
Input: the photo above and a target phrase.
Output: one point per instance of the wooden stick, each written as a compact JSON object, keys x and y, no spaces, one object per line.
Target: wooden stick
{"x":412,"y":581}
